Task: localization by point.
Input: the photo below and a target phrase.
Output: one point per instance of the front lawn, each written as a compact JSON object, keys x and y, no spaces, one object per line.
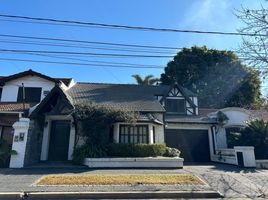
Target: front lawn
{"x":169,"y":179}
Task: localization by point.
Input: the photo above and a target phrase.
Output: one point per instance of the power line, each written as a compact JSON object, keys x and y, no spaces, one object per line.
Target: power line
{"x":84,"y":47}
{"x":127,"y":27}
{"x":86,"y":53}
{"x":74,"y":63}
{"x":94,"y":61}
{"x":90,"y":42}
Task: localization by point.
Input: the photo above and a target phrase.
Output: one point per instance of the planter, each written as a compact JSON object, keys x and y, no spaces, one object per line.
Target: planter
{"x":148,"y":162}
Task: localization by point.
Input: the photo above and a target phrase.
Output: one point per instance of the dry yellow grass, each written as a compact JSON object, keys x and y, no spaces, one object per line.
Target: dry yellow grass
{"x":167,"y":179}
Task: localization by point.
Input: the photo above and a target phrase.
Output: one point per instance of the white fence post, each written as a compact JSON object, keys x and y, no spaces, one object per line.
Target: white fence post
{"x":248,"y":155}
{"x":19,"y":142}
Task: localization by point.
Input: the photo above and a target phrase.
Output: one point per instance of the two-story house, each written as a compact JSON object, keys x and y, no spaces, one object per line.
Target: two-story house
{"x":20,"y":92}
{"x":167,"y":114}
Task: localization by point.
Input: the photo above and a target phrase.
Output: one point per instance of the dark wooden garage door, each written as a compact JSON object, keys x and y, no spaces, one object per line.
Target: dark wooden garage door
{"x":193,"y":144}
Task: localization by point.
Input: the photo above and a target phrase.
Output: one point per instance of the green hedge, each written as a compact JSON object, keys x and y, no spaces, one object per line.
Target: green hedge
{"x":123,"y":150}
{"x":136,"y":150}
{"x":91,"y":151}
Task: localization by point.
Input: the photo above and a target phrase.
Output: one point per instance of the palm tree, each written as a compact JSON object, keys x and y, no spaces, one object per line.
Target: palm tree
{"x":148,"y":80}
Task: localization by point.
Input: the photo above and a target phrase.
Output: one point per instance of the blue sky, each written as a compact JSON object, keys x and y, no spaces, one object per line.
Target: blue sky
{"x":207,"y":15}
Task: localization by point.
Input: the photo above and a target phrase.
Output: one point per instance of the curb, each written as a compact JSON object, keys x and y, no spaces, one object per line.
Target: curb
{"x":112,"y":195}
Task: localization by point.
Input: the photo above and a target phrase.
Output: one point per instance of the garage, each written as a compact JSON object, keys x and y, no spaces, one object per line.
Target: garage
{"x":193,"y":144}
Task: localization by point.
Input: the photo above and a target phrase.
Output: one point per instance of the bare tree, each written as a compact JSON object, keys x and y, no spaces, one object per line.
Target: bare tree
{"x":255,"y":37}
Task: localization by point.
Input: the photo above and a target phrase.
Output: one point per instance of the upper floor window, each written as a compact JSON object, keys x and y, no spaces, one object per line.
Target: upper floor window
{"x":175,"y":106}
{"x":31,"y":94}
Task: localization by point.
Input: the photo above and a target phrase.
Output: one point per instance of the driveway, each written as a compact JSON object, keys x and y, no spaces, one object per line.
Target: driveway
{"x":229,"y":180}
{"x":232,"y":181}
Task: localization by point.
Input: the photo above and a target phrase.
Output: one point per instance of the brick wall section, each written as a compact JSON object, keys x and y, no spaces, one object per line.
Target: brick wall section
{"x":34,"y":143}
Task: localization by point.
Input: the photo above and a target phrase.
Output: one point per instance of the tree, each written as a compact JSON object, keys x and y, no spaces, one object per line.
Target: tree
{"x":255,"y":41}
{"x":217,"y":77}
{"x":148,"y":80}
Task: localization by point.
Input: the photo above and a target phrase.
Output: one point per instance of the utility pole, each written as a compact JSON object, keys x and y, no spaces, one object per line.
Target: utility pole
{"x":23,"y":96}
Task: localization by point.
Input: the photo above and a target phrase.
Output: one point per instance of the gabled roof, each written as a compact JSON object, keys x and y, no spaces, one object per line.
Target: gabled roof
{"x":4,"y":79}
{"x":66,"y":81}
{"x":121,"y":96}
{"x":185,"y":93}
{"x":125,"y":96}
{"x":26,"y":73}
{"x":67,"y":100}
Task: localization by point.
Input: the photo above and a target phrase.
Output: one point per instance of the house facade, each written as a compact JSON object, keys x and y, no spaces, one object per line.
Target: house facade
{"x":36,"y":117}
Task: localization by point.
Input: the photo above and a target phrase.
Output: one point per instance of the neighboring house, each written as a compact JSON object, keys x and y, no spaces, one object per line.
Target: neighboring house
{"x":12,"y":104}
{"x":168,"y":114}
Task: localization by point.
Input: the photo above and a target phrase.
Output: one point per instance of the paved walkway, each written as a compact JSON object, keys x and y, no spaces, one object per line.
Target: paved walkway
{"x":229,"y":180}
{"x":232,"y":181}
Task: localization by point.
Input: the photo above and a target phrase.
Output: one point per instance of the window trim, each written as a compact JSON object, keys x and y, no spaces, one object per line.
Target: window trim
{"x":138,"y":135}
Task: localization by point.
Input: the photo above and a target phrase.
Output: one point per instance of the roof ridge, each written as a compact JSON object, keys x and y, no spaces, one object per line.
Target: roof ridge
{"x":132,"y":84}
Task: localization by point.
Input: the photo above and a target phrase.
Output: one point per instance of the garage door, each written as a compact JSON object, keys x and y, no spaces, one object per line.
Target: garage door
{"x":193,"y":144}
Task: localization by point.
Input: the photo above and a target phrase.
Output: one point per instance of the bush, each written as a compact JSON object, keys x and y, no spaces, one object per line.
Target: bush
{"x":255,"y":134}
{"x":172,"y":152}
{"x":87,"y":150}
{"x":123,"y":150}
{"x":136,"y":150}
{"x":5,"y":153}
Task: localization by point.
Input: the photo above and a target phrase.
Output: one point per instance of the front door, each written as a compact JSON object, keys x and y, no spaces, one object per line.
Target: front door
{"x":59,"y":141}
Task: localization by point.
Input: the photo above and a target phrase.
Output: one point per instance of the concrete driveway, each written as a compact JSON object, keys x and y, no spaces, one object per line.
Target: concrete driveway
{"x":231,"y":181}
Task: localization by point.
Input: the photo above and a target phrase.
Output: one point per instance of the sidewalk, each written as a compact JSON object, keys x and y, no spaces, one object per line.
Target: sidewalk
{"x":15,"y":181}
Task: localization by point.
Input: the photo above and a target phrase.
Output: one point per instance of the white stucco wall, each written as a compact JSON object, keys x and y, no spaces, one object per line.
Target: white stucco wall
{"x":10,"y":89}
{"x":237,"y":117}
{"x":19,"y":145}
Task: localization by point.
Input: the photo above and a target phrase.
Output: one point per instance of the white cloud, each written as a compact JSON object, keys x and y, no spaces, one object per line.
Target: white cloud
{"x":208,"y":13}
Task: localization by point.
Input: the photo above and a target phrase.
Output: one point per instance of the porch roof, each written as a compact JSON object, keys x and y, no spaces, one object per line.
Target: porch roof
{"x":14,"y":106}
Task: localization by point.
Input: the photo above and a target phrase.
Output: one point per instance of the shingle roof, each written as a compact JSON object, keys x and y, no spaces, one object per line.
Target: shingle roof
{"x":260,"y":114}
{"x":129,"y":96}
{"x":14,"y":106}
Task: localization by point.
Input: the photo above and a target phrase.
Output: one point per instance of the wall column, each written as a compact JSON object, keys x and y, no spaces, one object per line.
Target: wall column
{"x":45,"y":141}
{"x":151,"y":134}
{"x":116,"y":133}
{"x":19,"y":142}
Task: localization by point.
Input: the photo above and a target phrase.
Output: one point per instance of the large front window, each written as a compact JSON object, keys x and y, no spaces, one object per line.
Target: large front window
{"x":134,"y":134}
{"x":175,"y":106}
{"x":29,"y":94}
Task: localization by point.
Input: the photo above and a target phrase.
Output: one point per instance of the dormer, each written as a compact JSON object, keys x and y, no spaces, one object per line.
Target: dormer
{"x":180,"y":101}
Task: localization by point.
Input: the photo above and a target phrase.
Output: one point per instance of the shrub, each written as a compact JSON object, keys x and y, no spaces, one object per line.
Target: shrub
{"x":172,"y":152}
{"x":255,"y":134}
{"x":136,"y":150}
{"x":87,"y":150}
{"x":5,"y":153}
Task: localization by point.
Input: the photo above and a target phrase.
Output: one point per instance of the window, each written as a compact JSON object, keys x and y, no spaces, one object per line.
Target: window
{"x":32,"y":94}
{"x":1,"y":90}
{"x":133,"y":134}
{"x":175,"y":106}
